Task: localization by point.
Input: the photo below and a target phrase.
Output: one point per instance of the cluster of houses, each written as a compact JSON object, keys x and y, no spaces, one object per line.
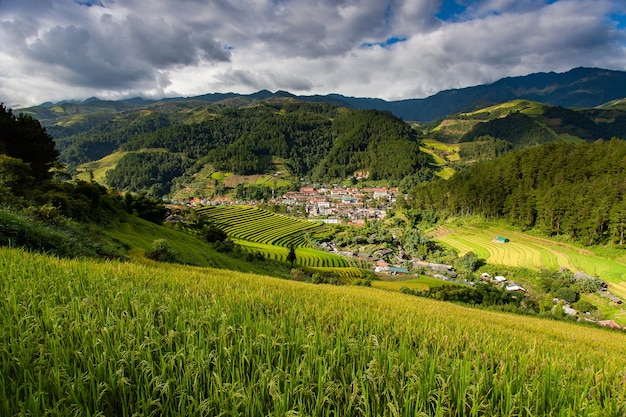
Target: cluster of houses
{"x":328,"y":204}
{"x":503,"y":282}
{"x":354,"y":204}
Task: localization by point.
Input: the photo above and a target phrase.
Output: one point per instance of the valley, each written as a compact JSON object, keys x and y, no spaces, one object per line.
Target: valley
{"x":284,"y":255}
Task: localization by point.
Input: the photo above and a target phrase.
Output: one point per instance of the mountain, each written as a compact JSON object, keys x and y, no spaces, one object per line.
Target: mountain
{"x":579,"y":87}
{"x":524,"y":123}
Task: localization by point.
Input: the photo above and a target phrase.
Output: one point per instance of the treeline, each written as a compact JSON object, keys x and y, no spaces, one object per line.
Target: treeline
{"x":299,"y":133}
{"x":517,"y":129}
{"x":152,"y":172}
{"x":105,"y":138}
{"x":561,"y":189}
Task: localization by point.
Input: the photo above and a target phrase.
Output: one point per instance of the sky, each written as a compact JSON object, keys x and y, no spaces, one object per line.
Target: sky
{"x":53,"y":50}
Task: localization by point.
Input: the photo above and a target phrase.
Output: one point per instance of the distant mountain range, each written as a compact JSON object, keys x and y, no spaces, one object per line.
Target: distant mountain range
{"x":579,"y":87}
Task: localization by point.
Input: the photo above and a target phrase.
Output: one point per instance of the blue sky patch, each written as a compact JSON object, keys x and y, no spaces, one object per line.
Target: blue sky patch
{"x":620,"y":20}
{"x":90,"y":3}
{"x":385,"y":44}
{"x":450,"y":9}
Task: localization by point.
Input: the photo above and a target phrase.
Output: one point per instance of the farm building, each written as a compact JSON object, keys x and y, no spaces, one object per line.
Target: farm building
{"x":502,"y":239}
{"x":393,"y":270}
{"x":514,"y":286}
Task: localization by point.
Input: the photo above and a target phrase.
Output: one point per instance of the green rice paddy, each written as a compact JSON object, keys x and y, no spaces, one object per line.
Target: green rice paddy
{"x":532,"y":252}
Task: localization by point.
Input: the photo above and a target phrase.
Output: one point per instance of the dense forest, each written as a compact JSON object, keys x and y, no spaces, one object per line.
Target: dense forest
{"x":372,"y":141}
{"x":561,"y":189}
{"x":315,"y":140}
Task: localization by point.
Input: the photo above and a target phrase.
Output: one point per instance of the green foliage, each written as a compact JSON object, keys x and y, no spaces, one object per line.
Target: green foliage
{"x":211,"y":233}
{"x":484,"y":148}
{"x":144,"y":206}
{"x":291,"y":256}
{"x":16,"y":179}
{"x":584,"y":306}
{"x":560,"y":189}
{"x":152,"y":172}
{"x":467,"y":263}
{"x":107,"y":136}
{"x":372,"y":141}
{"x":481,"y":294}
{"x":162,"y":251}
{"x":43,"y":229}
{"x":24,"y":138}
{"x":517,"y":129}
{"x":567,"y":294}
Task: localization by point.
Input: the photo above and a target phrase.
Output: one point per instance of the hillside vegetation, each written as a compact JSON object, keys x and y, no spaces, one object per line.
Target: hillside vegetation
{"x":165,"y":145}
{"x":563,"y":190}
{"x":115,"y":338}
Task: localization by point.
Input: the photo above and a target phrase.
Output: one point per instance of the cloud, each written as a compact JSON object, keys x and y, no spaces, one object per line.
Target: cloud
{"x":61,"y":49}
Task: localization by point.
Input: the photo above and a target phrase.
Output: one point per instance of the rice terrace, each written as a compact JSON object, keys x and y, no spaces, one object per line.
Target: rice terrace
{"x":524,"y":250}
{"x":270,"y":234}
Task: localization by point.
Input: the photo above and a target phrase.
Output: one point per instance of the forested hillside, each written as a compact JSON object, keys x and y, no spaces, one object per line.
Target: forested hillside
{"x":167,"y":141}
{"x":561,"y":189}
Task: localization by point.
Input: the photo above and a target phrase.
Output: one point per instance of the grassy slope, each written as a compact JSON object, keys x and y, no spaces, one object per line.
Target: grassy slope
{"x":86,"y":337}
{"x":421,"y":283}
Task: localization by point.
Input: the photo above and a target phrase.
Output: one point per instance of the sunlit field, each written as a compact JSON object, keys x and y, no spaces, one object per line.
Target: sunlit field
{"x":123,"y":339}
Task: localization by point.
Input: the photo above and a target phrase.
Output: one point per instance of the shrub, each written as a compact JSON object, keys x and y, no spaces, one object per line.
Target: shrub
{"x":567,"y":294}
{"x":584,"y":306}
{"x":161,"y":251}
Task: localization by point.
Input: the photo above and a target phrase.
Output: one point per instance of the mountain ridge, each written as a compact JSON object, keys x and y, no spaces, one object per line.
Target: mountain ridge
{"x":580,"y":87}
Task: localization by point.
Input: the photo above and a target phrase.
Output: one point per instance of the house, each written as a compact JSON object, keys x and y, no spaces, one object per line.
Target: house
{"x":569,"y":310}
{"x":514,"y":286}
{"x":390,"y":269}
{"x":499,"y":278}
{"x":485,"y":275}
{"x":609,"y":323}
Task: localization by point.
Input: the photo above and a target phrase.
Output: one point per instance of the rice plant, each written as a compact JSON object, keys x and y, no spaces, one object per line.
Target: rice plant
{"x":91,"y":338}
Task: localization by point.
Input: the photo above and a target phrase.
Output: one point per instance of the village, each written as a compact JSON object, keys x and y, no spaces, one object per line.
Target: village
{"x":328,"y":204}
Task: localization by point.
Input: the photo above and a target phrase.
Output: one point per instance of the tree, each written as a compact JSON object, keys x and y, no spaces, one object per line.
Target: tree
{"x":24,"y":138}
{"x":468,"y":262}
{"x":291,"y":256}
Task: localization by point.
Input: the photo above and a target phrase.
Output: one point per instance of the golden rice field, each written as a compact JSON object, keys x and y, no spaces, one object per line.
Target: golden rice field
{"x":94,"y":338}
{"x":533,"y":252}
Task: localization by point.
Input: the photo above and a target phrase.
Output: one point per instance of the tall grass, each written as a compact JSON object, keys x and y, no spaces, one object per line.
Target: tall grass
{"x":91,"y":338}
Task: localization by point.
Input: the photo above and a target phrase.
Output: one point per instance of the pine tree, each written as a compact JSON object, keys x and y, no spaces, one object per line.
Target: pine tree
{"x":291,"y":256}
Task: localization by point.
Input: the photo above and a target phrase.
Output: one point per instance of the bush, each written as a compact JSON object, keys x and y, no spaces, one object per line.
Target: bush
{"x":161,"y":251}
{"x":584,"y":306}
{"x":567,"y":294}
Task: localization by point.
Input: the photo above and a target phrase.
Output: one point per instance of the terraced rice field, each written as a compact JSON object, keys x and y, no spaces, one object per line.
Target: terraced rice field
{"x":306,"y":256}
{"x":260,"y":226}
{"x":533,"y":252}
{"x":270,"y":234}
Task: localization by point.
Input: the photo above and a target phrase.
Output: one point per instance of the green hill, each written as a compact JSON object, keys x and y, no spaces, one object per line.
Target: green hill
{"x":122,"y":338}
{"x":570,"y":191}
{"x":313,"y":140}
